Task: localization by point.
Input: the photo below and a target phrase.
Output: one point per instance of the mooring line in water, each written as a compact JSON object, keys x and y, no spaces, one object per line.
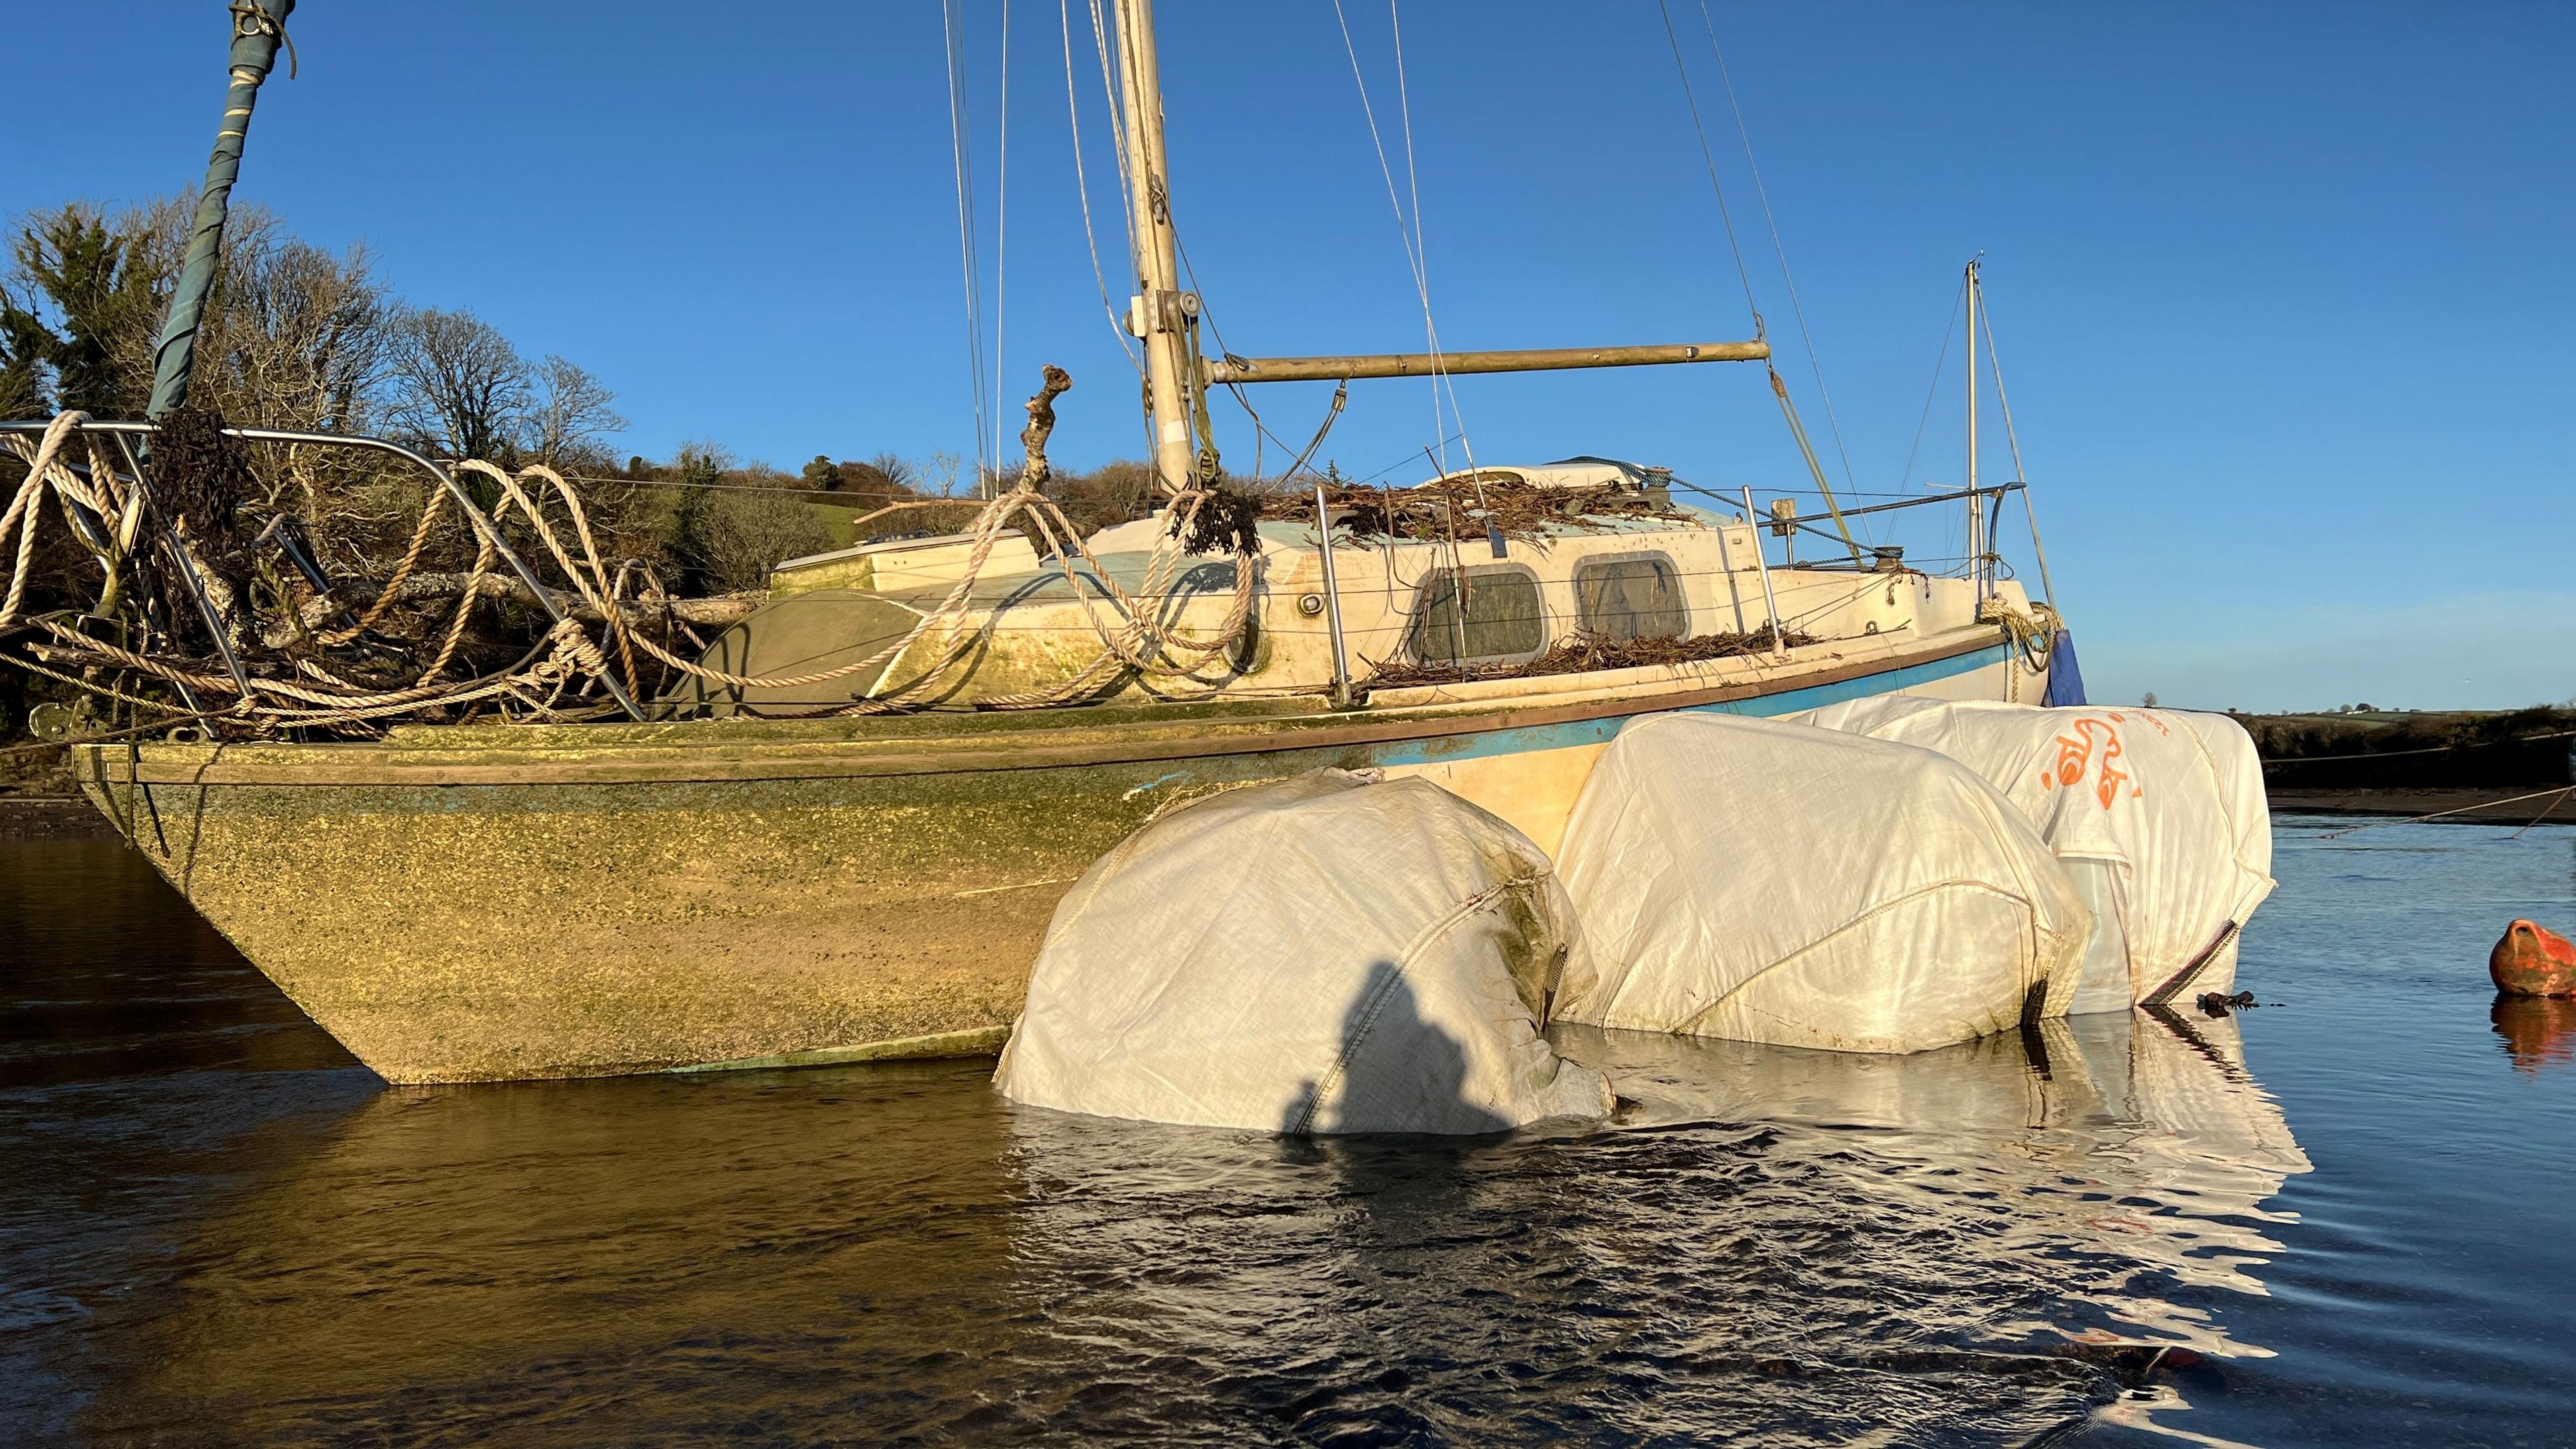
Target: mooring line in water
{"x":2559,"y":790}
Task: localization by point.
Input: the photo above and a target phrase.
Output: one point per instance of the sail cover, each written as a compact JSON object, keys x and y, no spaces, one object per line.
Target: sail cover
{"x":1772,"y":882}
{"x":1326,"y":954}
{"x":2158,"y":815}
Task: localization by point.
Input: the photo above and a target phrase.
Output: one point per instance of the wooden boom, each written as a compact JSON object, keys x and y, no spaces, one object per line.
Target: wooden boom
{"x":1424,"y":364}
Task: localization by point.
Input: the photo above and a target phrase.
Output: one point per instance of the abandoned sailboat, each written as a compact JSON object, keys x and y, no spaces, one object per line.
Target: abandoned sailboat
{"x":841,"y":833}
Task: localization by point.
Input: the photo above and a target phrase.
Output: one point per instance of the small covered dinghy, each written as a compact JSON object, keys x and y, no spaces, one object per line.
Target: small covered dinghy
{"x":2158,"y":816}
{"x":1321,"y":955}
{"x":1775,"y":883}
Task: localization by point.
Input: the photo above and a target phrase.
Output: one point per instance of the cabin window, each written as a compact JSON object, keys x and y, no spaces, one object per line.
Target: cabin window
{"x":1502,"y":617}
{"x":1636,"y":597}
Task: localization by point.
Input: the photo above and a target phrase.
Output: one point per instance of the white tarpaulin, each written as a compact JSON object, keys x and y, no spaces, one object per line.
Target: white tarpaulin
{"x":1325,"y":954}
{"x":1771,"y":882}
{"x":2158,"y":815}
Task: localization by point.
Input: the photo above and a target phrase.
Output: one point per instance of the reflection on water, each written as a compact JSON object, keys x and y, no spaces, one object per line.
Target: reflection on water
{"x":2538,"y":1031}
{"x":216,"y":1229}
{"x":1792,"y":1244}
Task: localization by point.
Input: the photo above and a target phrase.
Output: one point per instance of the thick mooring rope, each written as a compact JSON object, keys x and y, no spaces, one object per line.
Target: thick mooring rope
{"x":1136,"y":640}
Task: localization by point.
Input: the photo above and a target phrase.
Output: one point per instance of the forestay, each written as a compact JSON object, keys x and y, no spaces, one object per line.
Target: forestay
{"x":1325,"y":954}
{"x":2157,"y":814}
{"x":1772,"y":882}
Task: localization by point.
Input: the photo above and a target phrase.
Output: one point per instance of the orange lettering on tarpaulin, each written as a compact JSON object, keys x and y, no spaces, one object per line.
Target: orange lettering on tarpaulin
{"x":2111,"y":778}
{"x":2075,"y":754}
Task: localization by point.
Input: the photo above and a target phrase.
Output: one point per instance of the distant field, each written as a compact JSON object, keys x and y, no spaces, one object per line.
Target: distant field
{"x":837,"y":518}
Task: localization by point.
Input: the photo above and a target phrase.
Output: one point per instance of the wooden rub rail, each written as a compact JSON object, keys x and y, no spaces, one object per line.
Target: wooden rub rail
{"x":1424,"y":364}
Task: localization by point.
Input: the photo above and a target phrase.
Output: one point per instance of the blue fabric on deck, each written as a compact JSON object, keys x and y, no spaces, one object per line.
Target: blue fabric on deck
{"x":2065,"y":676}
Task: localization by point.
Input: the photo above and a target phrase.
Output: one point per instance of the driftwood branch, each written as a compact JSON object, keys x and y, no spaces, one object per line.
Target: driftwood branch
{"x":1035,"y":472}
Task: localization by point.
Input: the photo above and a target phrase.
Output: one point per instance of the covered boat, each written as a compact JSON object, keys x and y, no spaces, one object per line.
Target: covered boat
{"x":1771,"y":882}
{"x":2157,"y":814}
{"x":1322,"y":955}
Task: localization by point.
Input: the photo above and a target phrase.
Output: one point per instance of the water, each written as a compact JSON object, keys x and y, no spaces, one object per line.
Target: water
{"x":2340,"y":1218}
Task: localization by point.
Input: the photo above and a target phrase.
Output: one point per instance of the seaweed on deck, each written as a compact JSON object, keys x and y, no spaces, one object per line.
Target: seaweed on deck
{"x":1465,"y":506}
{"x":1583,"y":653}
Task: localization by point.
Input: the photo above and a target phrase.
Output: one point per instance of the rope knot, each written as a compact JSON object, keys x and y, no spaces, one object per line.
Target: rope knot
{"x":573,"y":654}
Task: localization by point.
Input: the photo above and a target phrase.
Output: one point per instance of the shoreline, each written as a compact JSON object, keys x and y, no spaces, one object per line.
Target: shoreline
{"x":70,"y":817}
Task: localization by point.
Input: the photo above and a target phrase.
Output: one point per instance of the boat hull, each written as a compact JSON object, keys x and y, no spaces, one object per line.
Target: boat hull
{"x":582,"y":901}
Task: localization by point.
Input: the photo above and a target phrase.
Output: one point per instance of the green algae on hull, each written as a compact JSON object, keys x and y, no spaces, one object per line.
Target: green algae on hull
{"x":485,"y":904}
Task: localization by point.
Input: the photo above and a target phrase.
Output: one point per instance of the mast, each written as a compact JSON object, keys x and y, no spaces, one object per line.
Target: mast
{"x":258,"y":28}
{"x":1976,"y":514}
{"x":1161,"y":314}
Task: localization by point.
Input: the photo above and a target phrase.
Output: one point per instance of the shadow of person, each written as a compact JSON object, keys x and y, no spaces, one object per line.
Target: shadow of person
{"x":1395,"y":1073}
{"x":2539,"y":1031}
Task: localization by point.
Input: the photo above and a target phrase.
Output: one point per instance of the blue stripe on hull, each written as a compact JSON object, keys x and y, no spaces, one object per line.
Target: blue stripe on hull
{"x":1601,"y":731}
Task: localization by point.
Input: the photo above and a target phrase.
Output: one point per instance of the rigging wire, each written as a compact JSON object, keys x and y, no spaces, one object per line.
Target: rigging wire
{"x":1986,"y":323}
{"x":1440,"y":377}
{"x":954,"y":28}
{"x":1940,"y":364}
{"x":1127,"y":180}
{"x":1408,"y":233}
{"x":1082,"y":186}
{"x":1724,"y":214}
{"x":1001,"y":247}
{"x":1815,"y":364}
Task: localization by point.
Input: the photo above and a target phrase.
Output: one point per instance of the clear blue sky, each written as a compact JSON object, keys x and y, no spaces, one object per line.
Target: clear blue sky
{"x":2282,"y":292}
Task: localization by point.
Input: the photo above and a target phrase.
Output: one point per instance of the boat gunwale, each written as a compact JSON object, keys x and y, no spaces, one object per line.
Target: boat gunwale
{"x":570,"y":762}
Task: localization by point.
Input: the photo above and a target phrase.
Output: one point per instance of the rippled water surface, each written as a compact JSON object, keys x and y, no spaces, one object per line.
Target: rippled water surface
{"x":2346,"y":1217}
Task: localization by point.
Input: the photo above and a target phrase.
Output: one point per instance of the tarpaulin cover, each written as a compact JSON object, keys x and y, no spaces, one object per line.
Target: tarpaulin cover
{"x":1773,"y":882}
{"x":1326,"y":954}
{"x":2158,"y":815}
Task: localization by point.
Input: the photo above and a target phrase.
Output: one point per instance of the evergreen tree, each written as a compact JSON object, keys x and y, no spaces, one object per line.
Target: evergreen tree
{"x":103,"y":294}
{"x":823,"y":473}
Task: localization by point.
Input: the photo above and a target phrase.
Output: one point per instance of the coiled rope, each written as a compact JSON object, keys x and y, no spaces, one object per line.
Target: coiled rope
{"x":1133,"y":632}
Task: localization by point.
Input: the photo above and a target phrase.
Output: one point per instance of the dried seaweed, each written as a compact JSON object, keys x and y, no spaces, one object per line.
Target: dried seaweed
{"x":200,"y":474}
{"x":1228,"y":520}
{"x":1584,"y":653}
{"x":1465,"y":506}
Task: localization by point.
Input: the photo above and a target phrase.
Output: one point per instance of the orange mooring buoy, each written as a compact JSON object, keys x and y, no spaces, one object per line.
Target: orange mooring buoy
{"x":2533,"y":961}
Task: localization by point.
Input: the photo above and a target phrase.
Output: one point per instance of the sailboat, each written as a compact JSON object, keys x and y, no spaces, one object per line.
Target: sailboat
{"x":842,"y":835}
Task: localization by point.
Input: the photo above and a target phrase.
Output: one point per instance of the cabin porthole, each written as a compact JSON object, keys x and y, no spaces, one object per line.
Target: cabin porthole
{"x":1310,"y":604}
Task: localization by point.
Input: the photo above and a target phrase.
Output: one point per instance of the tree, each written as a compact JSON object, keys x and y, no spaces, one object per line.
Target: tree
{"x":298,"y":338}
{"x":2150,"y":700}
{"x":458,"y":384}
{"x":823,"y":473}
{"x":701,"y":467}
{"x":22,"y":363}
{"x":569,"y":417}
{"x":744,"y":533}
{"x":83,"y":300}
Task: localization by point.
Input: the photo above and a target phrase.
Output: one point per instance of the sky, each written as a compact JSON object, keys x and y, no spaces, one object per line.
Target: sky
{"x":2281,"y":292}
